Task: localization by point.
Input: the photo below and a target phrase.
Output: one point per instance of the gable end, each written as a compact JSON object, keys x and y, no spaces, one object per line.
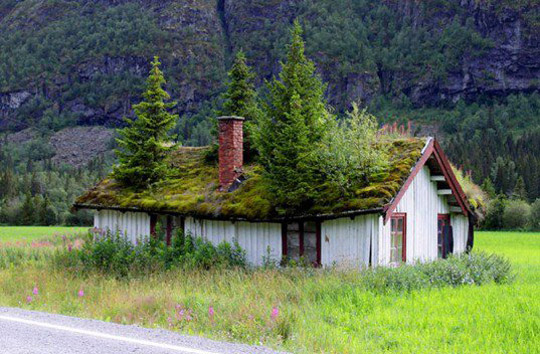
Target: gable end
{"x":434,"y":156}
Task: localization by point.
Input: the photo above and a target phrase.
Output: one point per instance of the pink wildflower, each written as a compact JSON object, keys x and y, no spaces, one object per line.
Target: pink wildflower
{"x":35,"y":291}
{"x":180,"y":315}
{"x":69,"y":247}
{"x":81,"y":293}
{"x":275,"y":313}
{"x":211,"y":312}
{"x":29,"y":299}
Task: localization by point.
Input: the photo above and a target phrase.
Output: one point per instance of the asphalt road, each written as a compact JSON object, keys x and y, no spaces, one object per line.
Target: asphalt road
{"x":29,"y":332}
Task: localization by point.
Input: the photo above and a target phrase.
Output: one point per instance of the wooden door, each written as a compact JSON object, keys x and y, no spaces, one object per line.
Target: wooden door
{"x":442,"y":221}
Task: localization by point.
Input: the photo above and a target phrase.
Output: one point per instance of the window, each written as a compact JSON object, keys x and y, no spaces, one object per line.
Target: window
{"x":442,"y":221}
{"x":302,"y":240}
{"x":398,"y":238}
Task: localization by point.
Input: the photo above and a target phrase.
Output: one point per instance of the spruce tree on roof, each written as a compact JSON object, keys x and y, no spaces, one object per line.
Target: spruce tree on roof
{"x":143,"y":142}
{"x":294,"y":122}
{"x":240,"y":99}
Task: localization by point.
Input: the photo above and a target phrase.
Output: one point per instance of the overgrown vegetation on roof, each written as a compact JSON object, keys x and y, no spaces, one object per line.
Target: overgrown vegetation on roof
{"x":193,"y":189}
{"x":477,"y":198}
{"x":307,"y":163}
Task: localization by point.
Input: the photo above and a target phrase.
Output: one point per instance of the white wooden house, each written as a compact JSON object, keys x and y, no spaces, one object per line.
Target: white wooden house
{"x":418,"y":212}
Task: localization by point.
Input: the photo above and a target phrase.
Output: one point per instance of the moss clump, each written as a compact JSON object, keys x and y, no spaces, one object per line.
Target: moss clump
{"x":192,"y":189}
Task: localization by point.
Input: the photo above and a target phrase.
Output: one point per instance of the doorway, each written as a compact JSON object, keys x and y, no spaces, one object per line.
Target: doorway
{"x":442,"y":221}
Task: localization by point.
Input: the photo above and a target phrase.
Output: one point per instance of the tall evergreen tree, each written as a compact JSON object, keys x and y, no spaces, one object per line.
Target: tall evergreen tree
{"x":294,"y":121}
{"x":142,"y":143}
{"x":8,"y":188}
{"x":240,"y":99}
{"x":28,"y":210}
{"x":520,"y":192}
{"x":35,"y":185}
{"x":487,"y":186}
{"x":46,"y":214}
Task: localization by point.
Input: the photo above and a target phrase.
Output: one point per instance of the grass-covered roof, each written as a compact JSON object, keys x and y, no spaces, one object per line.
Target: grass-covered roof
{"x":193,"y":189}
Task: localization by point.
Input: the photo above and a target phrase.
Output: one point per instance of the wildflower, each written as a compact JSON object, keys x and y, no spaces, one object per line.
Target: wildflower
{"x":275,"y":313}
{"x":29,"y":299}
{"x":69,"y":247}
{"x":183,"y":314}
{"x":81,"y":293}
{"x":35,"y":291}
{"x":211,"y":312}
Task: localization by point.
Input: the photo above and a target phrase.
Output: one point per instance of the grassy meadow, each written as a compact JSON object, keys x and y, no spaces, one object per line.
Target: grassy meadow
{"x":36,"y":233}
{"x":304,"y":310}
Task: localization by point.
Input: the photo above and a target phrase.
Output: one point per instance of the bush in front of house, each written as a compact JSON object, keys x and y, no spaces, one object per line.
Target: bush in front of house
{"x":474,"y":268}
{"x":111,"y":253}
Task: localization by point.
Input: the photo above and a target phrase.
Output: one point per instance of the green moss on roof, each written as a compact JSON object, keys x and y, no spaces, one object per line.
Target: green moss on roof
{"x":193,"y":189}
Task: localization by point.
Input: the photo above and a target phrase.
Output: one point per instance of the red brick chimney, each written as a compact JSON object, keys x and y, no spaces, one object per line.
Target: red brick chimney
{"x":231,"y":150}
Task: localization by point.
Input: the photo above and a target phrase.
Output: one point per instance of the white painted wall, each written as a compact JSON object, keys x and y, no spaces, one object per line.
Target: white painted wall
{"x":460,"y":228}
{"x":259,"y":240}
{"x":421,"y":203}
{"x":132,"y":225}
{"x":346,"y":242}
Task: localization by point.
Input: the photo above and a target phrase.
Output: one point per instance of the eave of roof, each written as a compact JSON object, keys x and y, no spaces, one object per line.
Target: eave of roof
{"x":307,"y":217}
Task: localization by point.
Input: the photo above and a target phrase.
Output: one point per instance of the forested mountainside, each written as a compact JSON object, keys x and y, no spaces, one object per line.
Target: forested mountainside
{"x":468,"y":70}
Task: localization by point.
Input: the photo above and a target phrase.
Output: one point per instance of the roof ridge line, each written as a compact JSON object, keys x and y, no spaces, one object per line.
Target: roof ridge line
{"x":428,"y":140}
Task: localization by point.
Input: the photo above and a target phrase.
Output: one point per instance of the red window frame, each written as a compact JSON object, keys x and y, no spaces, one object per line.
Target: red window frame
{"x":445,"y":218}
{"x":284,"y":247}
{"x":403,"y":217}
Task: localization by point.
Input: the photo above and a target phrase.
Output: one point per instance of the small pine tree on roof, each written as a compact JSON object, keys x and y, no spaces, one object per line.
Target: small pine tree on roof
{"x":143,"y":141}
{"x":240,"y":99}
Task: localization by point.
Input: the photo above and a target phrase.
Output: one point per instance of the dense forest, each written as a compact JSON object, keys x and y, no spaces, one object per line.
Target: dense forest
{"x":36,"y":191}
{"x":466,"y":72}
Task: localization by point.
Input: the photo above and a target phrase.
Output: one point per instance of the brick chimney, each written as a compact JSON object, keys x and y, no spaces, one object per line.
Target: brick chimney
{"x":231,"y":150}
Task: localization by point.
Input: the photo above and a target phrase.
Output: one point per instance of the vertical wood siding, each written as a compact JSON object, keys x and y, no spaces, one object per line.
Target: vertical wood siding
{"x":131,"y":225}
{"x":422,"y":204}
{"x":346,"y":242}
{"x":460,"y":226}
{"x":259,"y":240}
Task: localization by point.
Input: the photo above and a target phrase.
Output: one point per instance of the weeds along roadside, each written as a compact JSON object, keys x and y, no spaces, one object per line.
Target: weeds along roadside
{"x":111,"y":255}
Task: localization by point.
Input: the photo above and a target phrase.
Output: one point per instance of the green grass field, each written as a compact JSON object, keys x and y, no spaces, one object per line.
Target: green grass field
{"x":318,"y":312}
{"x":32,"y":233}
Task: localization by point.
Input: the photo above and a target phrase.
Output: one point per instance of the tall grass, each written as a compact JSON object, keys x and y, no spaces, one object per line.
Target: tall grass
{"x":317,"y":310}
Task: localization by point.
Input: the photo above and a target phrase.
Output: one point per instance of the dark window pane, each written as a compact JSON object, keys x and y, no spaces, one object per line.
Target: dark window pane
{"x":310,"y":241}
{"x":293,"y":241}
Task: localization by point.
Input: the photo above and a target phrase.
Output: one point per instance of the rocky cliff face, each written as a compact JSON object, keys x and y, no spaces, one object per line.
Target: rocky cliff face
{"x":509,"y":64}
{"x":96,"y":76}
{"x":94,"y":70}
